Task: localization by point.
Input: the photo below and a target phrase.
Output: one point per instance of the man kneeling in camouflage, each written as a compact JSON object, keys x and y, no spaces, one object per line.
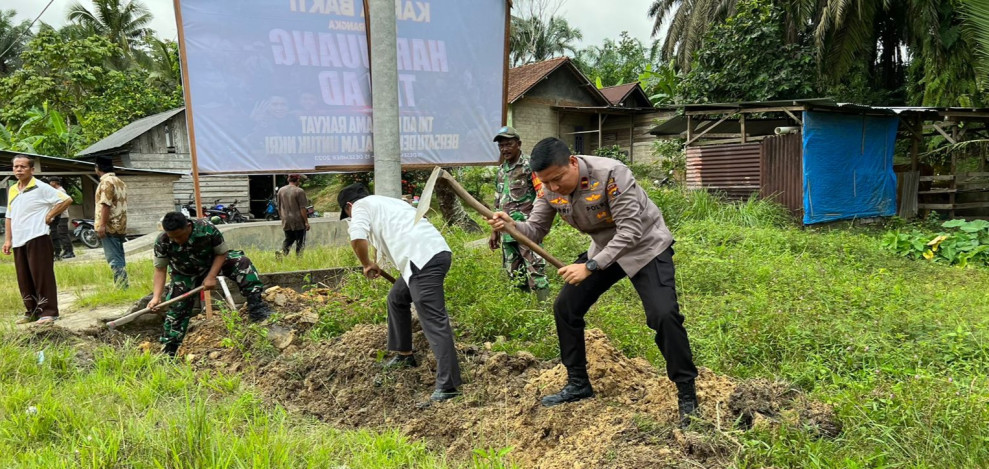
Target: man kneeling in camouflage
{"x":195,"y":253}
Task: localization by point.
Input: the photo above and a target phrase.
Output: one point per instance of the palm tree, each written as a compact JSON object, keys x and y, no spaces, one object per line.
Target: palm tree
{"x":532,"y":40}
{"x":690,"y":20}
{"x":977,"y":19}
{"x":13,"y":37}
{"x":123,"y":22}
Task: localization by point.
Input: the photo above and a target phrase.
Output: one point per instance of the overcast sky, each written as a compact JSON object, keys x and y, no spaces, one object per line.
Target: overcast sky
{"x":597,"y":20}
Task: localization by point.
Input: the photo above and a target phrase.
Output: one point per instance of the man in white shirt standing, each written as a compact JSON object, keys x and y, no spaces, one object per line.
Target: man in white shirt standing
{"x":31,"y":207}
{"x":423,"y":257}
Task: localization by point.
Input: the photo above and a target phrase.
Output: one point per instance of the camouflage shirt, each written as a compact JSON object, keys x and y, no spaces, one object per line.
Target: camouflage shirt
{"x":112,"y":192}
{"x":515,"y":189}
{"x":195,"y":257}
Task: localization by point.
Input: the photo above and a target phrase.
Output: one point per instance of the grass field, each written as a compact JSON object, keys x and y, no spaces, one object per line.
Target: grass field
{"x":899,"y":348}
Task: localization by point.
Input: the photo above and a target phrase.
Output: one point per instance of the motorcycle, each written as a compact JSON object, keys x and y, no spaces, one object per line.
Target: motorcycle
{"x":83,"y":230}
{"x":218,"y":211}
{"x":311,"y":211}
{"x":233,"y":213}
{"x":271,"y":210}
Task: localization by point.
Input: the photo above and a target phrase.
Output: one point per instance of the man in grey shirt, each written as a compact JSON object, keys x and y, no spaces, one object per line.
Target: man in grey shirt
{"x":292,"y":204}
{"x":629,"y":238}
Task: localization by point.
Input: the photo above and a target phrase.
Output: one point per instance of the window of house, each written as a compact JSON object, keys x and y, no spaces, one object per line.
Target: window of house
{"x":169,"y":141}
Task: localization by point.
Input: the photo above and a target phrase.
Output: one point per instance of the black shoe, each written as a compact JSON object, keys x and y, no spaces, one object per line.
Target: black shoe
{"x":441,"y":395}
{"x":575,"y":390}
{"x":171,"y":349}
{"x":401,"y":361}
{"x":257,"y":309}
{"x":686,"y":402}
{"x":68,"y":256}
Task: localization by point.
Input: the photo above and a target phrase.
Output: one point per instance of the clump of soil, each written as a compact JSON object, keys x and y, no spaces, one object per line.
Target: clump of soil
{"x":631,"y":422}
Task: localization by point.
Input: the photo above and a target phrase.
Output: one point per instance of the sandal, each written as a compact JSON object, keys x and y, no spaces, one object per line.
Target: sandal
{"x":26,"y":319}
{"x":45,"y":319}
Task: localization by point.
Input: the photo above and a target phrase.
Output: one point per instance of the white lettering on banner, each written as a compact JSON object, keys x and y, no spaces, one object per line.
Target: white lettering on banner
{"x":279,"y":145}
{"x":326,"y":7}
{"x":407,"y":10}
{"x":341,"y":91}
{"x":406,"y":95}
{"x":416,"y":124}
{"x":341,"y":50}
{"x":430,"y":142}
{"x":357,"y":143}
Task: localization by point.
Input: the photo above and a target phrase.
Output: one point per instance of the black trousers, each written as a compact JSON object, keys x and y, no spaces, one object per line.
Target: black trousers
{"x":59,"y":228}
{"x":425,"y":289}
{"x":298,"y":237}
{"x":657,"y":290}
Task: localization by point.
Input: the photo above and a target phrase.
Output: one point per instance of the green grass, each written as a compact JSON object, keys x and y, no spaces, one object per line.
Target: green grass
{"x":899,"y":347}
{"x":123,"y":408}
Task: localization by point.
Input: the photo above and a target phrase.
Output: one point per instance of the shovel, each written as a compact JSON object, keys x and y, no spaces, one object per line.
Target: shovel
{"x":132,"y":316}
{"x":427,"y":194}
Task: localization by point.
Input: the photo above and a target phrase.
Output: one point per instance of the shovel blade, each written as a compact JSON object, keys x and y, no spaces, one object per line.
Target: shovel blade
{"x":427,"y":194}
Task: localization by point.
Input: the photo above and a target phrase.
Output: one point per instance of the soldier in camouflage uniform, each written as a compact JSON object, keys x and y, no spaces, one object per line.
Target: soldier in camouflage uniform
{"x":194,"y":252}
{"x":515,"y":192}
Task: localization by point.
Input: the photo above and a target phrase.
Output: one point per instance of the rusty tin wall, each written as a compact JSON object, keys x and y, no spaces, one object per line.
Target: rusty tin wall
{"x":732,"y":169}
{"x":782,"y":171}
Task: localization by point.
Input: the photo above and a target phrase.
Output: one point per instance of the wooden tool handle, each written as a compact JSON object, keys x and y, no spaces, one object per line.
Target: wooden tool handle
{"x":132,"y":316}
{"x":388,"y":276}
{"x":487,"y":213}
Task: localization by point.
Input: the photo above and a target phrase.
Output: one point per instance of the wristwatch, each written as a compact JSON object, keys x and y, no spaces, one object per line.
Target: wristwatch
{"x":591,"y":265}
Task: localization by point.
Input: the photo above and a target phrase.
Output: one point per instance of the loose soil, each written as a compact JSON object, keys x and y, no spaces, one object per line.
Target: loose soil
{"x":630,"y":423}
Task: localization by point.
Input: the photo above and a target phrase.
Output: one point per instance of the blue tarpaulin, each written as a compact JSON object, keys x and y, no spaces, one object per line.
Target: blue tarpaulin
{"x":848,"y":166}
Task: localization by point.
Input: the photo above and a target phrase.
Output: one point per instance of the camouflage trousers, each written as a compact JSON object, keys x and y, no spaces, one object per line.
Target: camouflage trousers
{"x":525,"y":267}
{"x":237,"y":267}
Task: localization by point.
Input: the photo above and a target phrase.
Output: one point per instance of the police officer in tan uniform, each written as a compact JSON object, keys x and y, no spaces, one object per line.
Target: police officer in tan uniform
{"x":599,"y":196}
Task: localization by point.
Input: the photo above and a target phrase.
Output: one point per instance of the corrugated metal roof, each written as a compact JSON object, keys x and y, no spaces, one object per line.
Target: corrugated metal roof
{"x":826,"y":104}
{"x":677,"y":125}
{"x":131,"y":131}
{"x":48,"y":163}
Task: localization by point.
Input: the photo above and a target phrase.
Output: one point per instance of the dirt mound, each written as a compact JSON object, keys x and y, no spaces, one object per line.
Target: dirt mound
{"x":631,"y":422}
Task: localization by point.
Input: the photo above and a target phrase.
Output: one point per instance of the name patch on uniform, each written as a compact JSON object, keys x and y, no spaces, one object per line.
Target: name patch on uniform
{"x":613,"y":190}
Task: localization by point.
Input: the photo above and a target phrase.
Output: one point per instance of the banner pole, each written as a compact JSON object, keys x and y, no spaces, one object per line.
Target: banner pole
{"x":504,"y":72}
{"x":384,"y":98}
{"x":187,"y":95}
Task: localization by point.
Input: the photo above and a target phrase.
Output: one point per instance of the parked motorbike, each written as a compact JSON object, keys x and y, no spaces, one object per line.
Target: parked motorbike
{"x":311,"y":211}
{"x":233,"y":213}
{"x":217,"y":210}
{"x":83,"y":230}
{"x":271,"y":210}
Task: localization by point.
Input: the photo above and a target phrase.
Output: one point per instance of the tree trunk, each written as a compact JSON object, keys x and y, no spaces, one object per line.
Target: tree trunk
{"x":451,"y":208}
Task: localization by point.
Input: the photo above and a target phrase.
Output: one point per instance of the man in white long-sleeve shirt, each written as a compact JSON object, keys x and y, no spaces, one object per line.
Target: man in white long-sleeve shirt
{"x":423,"y":257}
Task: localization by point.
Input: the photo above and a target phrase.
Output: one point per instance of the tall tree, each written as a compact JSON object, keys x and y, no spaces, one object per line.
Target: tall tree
{"x":533,"y":40}
{"x":977,"y":19}
{"x":13,"y":37}
{"x":617,"y":62}
{"x":123,"y":22}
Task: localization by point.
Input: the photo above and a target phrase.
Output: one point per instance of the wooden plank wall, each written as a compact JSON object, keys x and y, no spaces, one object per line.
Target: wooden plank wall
{"x":226,"y":188}
{"x":615,"y":131}
{"x":908,"y":183}
{"x":149,"y":197}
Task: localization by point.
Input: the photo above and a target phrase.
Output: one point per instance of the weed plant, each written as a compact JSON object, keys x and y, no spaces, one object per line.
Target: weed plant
{"x":124,"y":408}
{"x":899,"y":347}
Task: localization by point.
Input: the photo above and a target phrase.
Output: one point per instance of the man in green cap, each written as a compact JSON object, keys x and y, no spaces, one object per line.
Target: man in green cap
{"x":516,"y":187}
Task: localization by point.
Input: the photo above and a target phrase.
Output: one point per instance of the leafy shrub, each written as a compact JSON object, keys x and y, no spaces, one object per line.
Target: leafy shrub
{"x":964,"y":242}
{"x":614,"y":152}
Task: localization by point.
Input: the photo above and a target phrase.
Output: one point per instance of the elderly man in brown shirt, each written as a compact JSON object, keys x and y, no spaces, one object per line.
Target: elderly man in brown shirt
{"x":292,"y":210}
{"x":629,"y":238}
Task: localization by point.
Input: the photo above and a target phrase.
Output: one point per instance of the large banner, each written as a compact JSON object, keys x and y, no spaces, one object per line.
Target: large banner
{"x":284,"y":85}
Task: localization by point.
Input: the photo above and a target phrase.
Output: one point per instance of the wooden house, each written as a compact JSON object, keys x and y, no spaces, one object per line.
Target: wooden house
{"x":149,"y":192}
{"x":161,"y":142}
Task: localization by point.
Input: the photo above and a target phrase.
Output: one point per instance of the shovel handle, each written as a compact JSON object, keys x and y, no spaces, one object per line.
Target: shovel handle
{"x":132,"y":316}
{"x":387,"y":276}
{"x":487,"y":213}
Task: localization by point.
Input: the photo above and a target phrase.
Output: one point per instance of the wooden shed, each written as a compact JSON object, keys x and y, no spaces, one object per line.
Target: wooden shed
{"x":160,"y":142}
{"x":149,"y":192}
{"x":733,"y":148}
